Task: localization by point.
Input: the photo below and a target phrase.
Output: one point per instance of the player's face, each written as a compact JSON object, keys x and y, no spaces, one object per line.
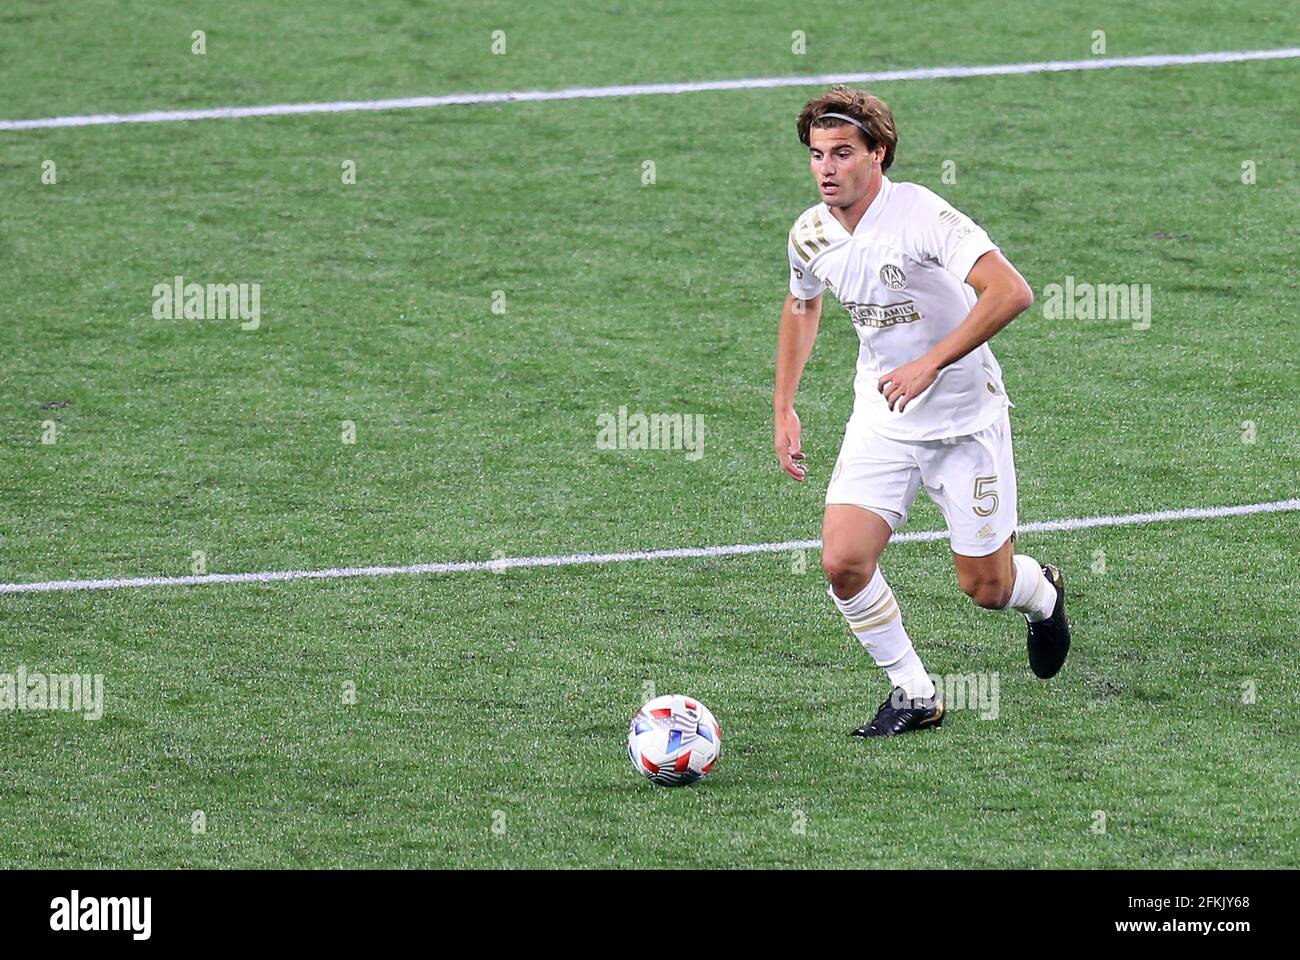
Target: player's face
{"x":842,"y":166}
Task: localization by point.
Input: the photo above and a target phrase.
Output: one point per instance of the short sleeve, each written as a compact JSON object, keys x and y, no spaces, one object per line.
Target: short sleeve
{"x":943,"y":234}
{"x":803,"y":285}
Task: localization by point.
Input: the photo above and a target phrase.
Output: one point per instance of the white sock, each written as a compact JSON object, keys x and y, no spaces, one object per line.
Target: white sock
{"x":1031,"y":593}
{"x":874,"y":618}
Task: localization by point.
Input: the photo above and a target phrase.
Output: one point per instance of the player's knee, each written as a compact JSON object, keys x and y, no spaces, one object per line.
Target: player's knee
{"x":835,"y":565}
{"x":846,"y":574}
{"x":991,"y":593}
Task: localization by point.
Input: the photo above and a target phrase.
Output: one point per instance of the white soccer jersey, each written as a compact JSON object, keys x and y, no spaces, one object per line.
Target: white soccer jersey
{"x":901,"y":275}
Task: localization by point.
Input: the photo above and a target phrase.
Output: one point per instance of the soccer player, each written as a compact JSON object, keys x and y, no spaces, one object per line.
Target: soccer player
{"x":930,"y":409}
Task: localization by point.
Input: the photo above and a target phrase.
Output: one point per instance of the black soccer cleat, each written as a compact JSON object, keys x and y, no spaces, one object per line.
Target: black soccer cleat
{"x":898,"y":715}
{"x":1049,"y":640}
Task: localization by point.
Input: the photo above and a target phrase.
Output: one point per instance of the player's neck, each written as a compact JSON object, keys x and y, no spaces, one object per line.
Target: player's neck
{"x":849,"y":217}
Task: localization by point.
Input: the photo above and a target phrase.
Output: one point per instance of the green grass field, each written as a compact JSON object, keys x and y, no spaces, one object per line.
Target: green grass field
{"x":491,"y":708}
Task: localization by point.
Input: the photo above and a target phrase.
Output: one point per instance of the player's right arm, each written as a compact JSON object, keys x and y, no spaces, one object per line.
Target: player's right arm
{"x":794,"y":343}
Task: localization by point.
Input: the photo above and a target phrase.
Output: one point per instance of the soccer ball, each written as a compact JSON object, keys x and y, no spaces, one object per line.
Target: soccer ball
{"x":674,"y":740}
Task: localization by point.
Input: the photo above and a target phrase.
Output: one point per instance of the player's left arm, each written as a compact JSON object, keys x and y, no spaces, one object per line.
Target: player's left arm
{"x":1003,"y":296}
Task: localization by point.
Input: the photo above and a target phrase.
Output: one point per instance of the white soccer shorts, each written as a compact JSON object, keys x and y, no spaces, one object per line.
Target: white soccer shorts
{"x":971,"y":479}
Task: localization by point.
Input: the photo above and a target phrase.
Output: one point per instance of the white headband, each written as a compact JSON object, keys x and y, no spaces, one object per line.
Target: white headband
{"x":848,"y":119}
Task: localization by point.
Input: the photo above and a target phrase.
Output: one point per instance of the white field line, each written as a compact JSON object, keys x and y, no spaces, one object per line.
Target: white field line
{"x":576,"y":559}
{"x":652,"y":89}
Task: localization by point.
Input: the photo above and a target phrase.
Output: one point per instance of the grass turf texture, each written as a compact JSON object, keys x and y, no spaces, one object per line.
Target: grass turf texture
{"x":476,"y":432}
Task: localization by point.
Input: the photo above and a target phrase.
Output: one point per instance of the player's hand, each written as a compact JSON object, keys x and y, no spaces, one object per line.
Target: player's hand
{"x":789,"y":448}
{"x":907,"y":382}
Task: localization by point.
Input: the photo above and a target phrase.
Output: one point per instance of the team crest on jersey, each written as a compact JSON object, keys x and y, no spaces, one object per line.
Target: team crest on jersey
{"x":893,"y":277}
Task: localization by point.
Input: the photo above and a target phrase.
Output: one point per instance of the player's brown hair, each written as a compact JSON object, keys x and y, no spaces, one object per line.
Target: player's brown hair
{"x":872,"y":112}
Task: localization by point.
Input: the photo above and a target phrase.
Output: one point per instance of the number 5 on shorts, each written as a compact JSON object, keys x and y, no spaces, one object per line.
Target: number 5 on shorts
{"x":984,"y":491}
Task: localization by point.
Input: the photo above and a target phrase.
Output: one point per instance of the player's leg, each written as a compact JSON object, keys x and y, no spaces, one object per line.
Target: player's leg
{"x":1016,"y":581}
{"x":973,"y":481}
{"x":873,"y":484}
{"x":853,"y":538}
{"x":988,"y":580}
